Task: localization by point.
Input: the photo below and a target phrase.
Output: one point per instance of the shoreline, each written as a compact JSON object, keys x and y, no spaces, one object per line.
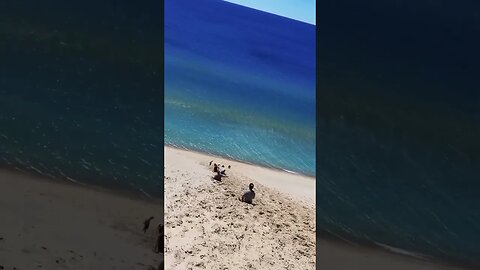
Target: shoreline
{"x":133,"y":193}
{"x":241,"y":161}
{"x":398,"y":257}
{"x":338,"y":254}
{"x":296,"y":186}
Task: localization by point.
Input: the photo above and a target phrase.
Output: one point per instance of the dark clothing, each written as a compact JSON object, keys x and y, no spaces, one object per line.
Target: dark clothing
{"x":159,"y":247}
{"x":248,"y":196}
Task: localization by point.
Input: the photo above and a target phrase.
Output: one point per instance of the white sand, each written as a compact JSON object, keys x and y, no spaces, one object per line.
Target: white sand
{"x":207,"y":227}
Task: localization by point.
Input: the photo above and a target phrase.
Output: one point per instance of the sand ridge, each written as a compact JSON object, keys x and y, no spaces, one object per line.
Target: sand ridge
{"x":207,"y":227}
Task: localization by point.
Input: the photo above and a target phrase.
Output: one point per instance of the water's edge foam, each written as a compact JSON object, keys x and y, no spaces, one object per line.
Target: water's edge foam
{"x":379,"y":247}
{"x":238,"y":160}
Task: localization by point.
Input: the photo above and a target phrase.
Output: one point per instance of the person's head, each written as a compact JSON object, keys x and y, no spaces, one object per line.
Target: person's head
{"x":223,"y":166}
{"x":250,"y":186}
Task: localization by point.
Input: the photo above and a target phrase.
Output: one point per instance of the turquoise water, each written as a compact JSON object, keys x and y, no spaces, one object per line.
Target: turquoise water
{"x":240,"y":93}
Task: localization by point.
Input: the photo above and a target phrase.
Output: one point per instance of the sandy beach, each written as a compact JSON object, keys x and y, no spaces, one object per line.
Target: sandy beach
{"x":54,"y":225}
{"x":207,"y":227}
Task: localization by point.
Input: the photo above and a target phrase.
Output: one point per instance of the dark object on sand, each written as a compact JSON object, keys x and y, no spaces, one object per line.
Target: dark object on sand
{"x":229,"y":166}
{"x":210,"y":164}
{"x":215,"y":168}
{"x":146,"y":224}
{"x":249,"y":195}
{"x":218,"y":176}
{"x":159,"y":246}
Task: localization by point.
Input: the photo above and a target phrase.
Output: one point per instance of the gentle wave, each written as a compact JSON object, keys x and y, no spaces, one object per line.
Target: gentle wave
{"x":403,"y":252}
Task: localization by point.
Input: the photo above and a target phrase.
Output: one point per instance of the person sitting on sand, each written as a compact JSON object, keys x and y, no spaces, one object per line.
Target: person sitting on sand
{"x":218,"y":176}
{"x":146,"y":224}
{"x":249,"y":195}
{"x":215,"y":167}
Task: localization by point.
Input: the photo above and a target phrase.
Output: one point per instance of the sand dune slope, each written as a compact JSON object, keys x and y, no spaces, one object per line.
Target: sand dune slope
{"x":208,"y":227}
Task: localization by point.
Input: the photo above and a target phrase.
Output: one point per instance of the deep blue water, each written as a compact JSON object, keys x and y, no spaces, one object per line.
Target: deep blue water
{"x":398,"y":102}
{"x":81,"y":91}
{"x":240,"y":83}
